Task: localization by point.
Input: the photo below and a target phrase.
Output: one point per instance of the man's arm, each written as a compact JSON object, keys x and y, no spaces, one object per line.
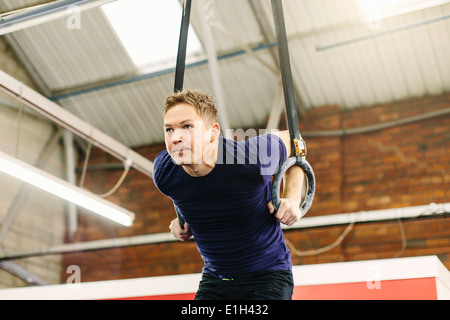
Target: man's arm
{"x":294,"y":187}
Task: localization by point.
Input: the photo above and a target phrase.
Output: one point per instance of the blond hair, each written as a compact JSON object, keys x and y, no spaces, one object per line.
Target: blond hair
{"x":202,"y":102}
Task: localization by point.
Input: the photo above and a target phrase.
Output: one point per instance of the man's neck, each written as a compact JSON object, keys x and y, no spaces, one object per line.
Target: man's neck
{"x":198,"y":170}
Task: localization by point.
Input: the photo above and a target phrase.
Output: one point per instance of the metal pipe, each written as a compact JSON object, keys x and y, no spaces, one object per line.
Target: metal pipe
{"x":22,"y":273}
{"x":381,"y":33}
{"x":70,"y":175}
{"x":214,"y":69}
{"x":376,"y":127}
{"x":90,"y":246}
{"x":429,"y":210}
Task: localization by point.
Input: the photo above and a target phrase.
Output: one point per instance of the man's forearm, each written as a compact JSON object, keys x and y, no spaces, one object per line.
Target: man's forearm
{"x":294,"y":178}
{"x":294,"y":183}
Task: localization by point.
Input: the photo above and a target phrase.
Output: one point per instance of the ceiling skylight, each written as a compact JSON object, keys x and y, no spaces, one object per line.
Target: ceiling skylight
{"x":149,"y":30}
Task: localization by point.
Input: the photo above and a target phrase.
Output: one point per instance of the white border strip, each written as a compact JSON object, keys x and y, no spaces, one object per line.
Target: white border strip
{"x":330,"y":273}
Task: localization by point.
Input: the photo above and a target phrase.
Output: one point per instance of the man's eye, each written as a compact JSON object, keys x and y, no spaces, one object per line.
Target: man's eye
{"x":169,"y":130}
{"x":188,"y":126}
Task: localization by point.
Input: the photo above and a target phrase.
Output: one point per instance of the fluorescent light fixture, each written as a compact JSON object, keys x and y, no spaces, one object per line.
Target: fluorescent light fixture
{"x":149,"y":30}
{"x":65,"y":190}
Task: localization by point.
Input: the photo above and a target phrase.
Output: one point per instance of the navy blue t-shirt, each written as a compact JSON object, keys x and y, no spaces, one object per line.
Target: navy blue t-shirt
{"x":226,"y":209}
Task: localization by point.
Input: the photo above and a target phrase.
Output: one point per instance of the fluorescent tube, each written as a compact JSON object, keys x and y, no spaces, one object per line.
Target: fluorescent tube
{"x":63,"y":189}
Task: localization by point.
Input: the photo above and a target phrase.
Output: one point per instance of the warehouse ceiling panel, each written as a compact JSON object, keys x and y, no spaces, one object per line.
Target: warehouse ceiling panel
{"x":353,"y":53}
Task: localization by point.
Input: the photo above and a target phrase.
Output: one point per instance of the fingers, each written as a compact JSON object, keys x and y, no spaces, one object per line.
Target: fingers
{"x":178,"y":232}
{"x":186,"y":233}
{"x":288,"y":213}
{"x":271,"y":207}
{"x":185,"y":236}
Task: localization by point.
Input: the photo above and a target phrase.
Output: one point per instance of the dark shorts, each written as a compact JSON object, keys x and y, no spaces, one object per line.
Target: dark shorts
{"x":267,"y":285}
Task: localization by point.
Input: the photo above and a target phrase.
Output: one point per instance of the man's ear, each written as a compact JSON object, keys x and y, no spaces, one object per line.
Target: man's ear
{"x":215,"y":132}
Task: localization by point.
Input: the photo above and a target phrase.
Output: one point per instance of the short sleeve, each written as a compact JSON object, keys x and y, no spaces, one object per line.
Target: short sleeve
{"x":270,"y":152}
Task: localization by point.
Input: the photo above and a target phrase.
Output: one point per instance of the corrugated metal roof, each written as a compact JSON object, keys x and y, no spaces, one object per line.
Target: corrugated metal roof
{"x":68,"y":58}
{"x":233,"y":23}
{"x":11,"y":5}
{"x":384,"y":67}
{"x":133,"y":113}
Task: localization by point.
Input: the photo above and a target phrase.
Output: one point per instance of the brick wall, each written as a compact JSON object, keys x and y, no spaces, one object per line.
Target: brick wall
{"x":402,"y":166}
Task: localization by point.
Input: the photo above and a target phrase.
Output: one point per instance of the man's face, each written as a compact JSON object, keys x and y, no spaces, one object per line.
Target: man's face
{"x":186,"y":135}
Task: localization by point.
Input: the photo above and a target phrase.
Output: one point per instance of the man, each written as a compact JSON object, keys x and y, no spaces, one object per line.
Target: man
{"x":222,"y":189}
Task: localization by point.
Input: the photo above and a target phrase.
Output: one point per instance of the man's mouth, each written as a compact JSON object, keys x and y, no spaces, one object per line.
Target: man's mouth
{"x":180,"y":151}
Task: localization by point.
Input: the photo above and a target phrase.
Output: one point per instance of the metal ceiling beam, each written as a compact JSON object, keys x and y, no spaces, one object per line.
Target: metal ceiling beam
{"x":265,"y":24}
{"x":76,"y":91}
{"x":64,"y":118}
{"x":69,"y":149}
{"x":44,"y":13}
{"x":23,"y":274}
{"x":266,"y":29}
{"x":26,"y":63}
{"x":213,"y":67}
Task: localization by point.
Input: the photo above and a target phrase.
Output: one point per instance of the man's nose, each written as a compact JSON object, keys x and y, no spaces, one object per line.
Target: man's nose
{"x":178,"y":136}
{"x":177,"y":139}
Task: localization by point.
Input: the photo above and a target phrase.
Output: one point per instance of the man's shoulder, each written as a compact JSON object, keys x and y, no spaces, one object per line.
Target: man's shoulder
{"x":162,"y":160}
{"x":254,"y":139}
{"x":264,"y":142}
{"x":163,"y":155}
